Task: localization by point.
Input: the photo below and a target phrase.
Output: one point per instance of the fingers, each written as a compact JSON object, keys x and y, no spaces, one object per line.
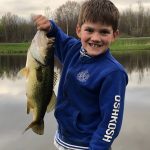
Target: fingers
{"x":50,"y":42}
{"x":41,"y":22}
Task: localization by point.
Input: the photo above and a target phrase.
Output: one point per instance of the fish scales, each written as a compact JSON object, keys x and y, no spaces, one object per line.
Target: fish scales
{"x":40,"y":77}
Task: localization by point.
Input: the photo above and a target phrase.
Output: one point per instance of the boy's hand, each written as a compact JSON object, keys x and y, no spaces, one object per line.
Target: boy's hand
{"x":42,"y":23}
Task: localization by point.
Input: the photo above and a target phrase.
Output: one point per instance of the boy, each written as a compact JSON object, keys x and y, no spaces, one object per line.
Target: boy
{"x":91,"y":91}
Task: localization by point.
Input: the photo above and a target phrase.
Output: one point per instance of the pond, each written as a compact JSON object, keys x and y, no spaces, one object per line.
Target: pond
{"x":13,"y":118}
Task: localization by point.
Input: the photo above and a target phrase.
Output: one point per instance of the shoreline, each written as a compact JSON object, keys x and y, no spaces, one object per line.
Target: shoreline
{"x":112,"y":51}
{"x":120,"y":45}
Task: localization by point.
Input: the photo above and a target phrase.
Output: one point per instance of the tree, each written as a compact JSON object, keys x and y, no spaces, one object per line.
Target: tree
{"x":48,"y":13}
{"x":66,"y":17}
{"x":15,"y":29}
{"x":135,"y":23}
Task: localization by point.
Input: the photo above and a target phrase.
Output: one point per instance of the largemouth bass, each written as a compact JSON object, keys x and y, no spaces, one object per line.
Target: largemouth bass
{"x":40,"y":78}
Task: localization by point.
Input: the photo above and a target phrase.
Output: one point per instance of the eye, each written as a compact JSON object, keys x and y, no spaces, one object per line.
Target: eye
{"x":104,"y":32}
{"x":90,"y":30}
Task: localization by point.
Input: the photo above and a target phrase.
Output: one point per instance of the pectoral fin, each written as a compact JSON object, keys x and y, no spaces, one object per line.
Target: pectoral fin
{"x":24,"y":72}
{"x":29,"y":106}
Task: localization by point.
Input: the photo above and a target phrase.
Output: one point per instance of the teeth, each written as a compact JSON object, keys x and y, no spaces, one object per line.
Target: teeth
{"x":94,"y":45}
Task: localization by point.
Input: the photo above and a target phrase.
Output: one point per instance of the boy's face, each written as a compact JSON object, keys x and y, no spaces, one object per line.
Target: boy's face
{"x":96,"y":37}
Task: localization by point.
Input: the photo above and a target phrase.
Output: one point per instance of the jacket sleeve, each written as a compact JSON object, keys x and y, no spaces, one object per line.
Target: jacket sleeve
{"x":63,"y":42}
{"x":111,"y":104}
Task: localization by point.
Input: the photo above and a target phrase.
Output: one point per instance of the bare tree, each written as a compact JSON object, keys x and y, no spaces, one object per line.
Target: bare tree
{"x":15,"y":29}
{"x":135,"y":23}
{"x":140,"y":19}
{"x":48,"y":13}
{"x":66,"y":16}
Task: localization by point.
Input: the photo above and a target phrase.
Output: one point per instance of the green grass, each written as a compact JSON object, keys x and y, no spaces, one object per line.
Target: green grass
{"x":131,"y":44}
{"x":13,"y":48}
{"x":121,"y":45}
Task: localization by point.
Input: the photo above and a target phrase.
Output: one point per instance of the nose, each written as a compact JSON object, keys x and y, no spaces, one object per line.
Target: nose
{"x":96,"y":37}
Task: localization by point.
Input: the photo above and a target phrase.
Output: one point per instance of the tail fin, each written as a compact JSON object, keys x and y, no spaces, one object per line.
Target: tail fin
{"x":37,"y":127}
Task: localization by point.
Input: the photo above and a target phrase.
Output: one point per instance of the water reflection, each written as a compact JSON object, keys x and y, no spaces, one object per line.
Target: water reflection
{"x":14,"y":118}
{"x":133,"y":62}
{"x":10,"y":65}
{"x":13,"y":106}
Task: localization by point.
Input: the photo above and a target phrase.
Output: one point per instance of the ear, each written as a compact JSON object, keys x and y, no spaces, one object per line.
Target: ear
{"x":115,"y":34}
{"x":78,"y":31}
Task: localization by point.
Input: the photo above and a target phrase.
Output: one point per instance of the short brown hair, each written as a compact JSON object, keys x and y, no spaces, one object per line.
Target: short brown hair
{"x":103,"y":11}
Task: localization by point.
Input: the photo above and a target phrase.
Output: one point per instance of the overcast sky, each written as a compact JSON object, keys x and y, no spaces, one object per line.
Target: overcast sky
{"x":24,"y":7}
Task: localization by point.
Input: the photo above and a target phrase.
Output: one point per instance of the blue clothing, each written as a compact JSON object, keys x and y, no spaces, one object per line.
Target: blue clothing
{"x":90,"y":98}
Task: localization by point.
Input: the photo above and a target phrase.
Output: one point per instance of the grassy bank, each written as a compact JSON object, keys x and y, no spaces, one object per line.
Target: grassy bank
{"x":13,"y":48}
{"x":121,"y":44}
{"x":131,"y":44}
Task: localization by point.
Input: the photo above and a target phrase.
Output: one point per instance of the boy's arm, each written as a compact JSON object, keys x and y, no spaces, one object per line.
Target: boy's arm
{"x":111,"y":106}
{"x":63,"y":42}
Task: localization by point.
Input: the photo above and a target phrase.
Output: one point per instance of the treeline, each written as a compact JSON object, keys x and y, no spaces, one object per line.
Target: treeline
{"x":135,"y":23}
{"x":17,"y":29}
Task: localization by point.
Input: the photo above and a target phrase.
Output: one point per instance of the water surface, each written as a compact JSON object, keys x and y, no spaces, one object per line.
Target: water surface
{"x":13,"y":118}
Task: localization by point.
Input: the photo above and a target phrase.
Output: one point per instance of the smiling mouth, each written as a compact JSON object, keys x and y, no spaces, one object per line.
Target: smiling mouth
{"x":96,"y":45}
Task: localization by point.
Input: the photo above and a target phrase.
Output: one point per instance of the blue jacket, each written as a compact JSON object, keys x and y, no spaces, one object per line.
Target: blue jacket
{"x":91,"y":93}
